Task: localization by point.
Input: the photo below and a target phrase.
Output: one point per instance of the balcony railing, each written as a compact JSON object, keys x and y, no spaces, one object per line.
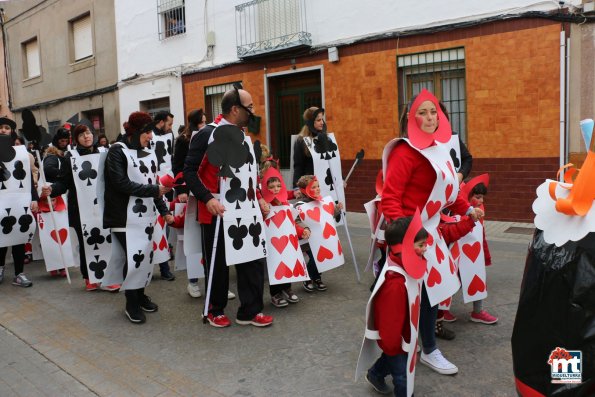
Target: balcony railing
{"x":267,"y":26}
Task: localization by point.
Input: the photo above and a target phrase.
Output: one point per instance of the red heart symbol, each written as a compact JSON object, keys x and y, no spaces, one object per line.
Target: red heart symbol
{"x":323,"y":254}
{"x":290,"y":216}
{"x":283,"y":271}
{"x":280,"y":243}
{"x":432,"y":208}
{"x":430,"y":239}
{"x":455,"y":250}
{"x":163,"y":243}
{"x":279,"y":218}
{"x":161,"y":221}
{"x":472,"y":250}
{"x":439,"y":254}
{"x":59,"y":237}
{"x":314,"y":213}
{"x":414,"y":312}
{"x":40,"y":221}
{"x":443,"y":175}
{"x":302,"y":215}
{"x":434,"y":277}
{"x":268,"y":221}
{"x":453,"y":268}
{"x":452,"y":171}
{"x":328,"y":231}
{"x":449,"y":191}
{"x":293,"y":239}
{"x":477,"y":285}
{"x":298,"y":270}
{"x":412,"y":365}
{"x":446,"y":302}
{"x":330,"y":208}
{"x":339,"y":248}
{"x":154,"y":246}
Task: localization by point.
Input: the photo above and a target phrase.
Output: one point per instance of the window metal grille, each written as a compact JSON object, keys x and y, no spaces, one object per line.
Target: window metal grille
{"x":171,"y":15}
{"x":440,"y":72}
{"x":213,"y":97}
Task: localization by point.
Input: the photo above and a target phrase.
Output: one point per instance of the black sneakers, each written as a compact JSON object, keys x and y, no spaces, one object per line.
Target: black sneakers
{"x":147,"y":305}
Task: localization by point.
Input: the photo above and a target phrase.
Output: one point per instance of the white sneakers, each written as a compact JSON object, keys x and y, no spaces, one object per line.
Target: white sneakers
{"x":193,"y":290}
{"x":230,"y":295}
{"x":436,"y":361}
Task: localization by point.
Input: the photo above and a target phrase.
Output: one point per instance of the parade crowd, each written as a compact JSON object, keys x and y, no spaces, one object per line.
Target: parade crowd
{"x":216,"y":199}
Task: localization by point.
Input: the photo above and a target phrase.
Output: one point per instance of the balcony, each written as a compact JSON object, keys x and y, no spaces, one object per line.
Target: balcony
{"x":265,"y":27}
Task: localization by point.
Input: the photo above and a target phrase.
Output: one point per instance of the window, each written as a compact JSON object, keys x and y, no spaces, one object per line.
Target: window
{"x":171,"y":18}
{"x":213,"y":97}
{"x":443,"y":74}
{"x":31,"y":59}
{"x":82,"y":37}
{"x":96,"y":118}
{"x":53,"y":126}
{"x":154,"y":106}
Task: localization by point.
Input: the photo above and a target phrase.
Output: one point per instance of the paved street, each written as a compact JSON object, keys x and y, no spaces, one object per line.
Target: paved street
{"x":58,"y":340}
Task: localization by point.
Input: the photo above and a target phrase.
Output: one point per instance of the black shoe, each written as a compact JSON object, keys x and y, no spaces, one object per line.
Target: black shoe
{"x":378,"y":384}
{"x":320,"y":286}
{"x":309,"y":286}
{"x":167,"y":276}
{"x":135,"y":316}
{"x":443,"y":333}
{"x":147,"y":305}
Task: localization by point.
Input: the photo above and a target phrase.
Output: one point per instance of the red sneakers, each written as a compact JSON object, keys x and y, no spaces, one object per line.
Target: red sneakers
{"x":90,"y":286}
{"x":220,"y":321}
{"x":260,"y":320}
{"x":449,"y":317}
{"x":111,"y":288}
{"x":483,"y":317}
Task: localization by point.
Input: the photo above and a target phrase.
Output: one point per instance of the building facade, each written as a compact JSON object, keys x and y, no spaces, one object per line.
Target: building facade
{"x":61,"y":62}
{"x":497,"y":66}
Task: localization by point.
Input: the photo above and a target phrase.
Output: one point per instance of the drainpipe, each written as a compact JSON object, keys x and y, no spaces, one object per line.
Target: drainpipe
{"x":562,"y":100}
{"x":567,"y":151}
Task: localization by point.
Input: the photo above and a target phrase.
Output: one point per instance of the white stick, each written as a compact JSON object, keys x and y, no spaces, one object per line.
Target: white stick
{"x":44,"y":182}
{"x":355,"y":163}
{"x":350,"y":245}
{"x":211,"y":267}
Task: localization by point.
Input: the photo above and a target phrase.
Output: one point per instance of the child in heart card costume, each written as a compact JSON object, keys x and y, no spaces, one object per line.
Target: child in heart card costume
{"x":318,"y":214}
{"x":392,"y":313}
{"x":285,"y":260}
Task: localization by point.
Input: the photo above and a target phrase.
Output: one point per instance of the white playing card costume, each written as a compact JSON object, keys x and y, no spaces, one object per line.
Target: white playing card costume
{"x":189,"y":256}
{"x":243,"y":226}
{"x":17,"y":225}
{"x":441,"y":279}
{"x":53,"y":240}
{"x":370,"y":351}
{"x":162,"y":146}
{"x":324,"y":242}
{"x":87,"y":172}
{"x":285,"y":260}
{"x":141,"y":218}
{"x":327,"y":168}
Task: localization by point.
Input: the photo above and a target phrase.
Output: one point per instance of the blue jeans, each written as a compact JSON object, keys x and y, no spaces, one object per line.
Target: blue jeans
{"x":396,"y":366}
{"x":427,"y":322}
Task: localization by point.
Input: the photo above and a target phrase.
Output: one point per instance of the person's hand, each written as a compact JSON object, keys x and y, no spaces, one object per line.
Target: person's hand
{"x":46,"y":190}
{"x":169,"y":218}
{"x":34,"y":207}
{"x":182,"y":198}
{"x":460,"y":176}
{"x":306,"y":233}
{"x":264,"y":207}
{"x":215,"y":207}
{"x":163,"y":190}
{"x":298,"y":194}
{"x":476,"y":214}
{"x":340,"y":206}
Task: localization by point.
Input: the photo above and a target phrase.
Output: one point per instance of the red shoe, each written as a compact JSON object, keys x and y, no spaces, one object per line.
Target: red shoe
{"x":260,"y":320}
{"x":90,"y":286}
{"x":111,"y":288}
{"x":449,"y":317}
{"x":54,"y":273}
{"x":220,"y":321}
{"x":483,"y":317}
{"x":62,"y":273}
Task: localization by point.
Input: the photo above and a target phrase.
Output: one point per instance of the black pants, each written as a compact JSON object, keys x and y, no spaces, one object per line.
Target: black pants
{"x":76,"y":224}
{"x":250,"y":277}
{"x":18,"y":256}
{"x":275,"y":289}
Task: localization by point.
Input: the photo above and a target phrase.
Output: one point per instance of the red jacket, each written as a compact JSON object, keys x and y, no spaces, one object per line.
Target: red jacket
{"x":409,"y":181}
{"x":452,"y":232}
{"x":391,"y":313}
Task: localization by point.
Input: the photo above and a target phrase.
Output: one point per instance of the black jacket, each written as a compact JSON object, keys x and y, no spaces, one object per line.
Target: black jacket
{"x":466,"y":159}
{"x":302,"y":160}
{"x":177,"y":163}
{"x":63,"y":181}
{"x":119,"y":188}
{"x":196,"y":152}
